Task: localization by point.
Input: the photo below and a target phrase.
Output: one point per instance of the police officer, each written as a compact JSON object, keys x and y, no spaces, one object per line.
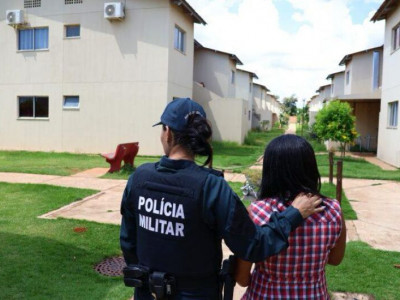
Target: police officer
{"x":175,"y":214}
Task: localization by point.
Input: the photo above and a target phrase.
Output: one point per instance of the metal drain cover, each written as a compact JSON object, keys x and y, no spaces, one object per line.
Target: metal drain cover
{"x":111,"y":266}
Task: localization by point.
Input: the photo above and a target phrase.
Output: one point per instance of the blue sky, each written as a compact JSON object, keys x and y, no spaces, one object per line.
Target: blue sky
{"x":292,"y":45}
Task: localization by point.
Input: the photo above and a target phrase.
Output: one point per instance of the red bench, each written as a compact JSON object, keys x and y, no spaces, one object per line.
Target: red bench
{"x":124,"y":152}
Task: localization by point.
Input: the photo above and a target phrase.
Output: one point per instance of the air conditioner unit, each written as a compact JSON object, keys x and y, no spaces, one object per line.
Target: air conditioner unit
{"x":114,"y":10}
{"x":14,"y":17}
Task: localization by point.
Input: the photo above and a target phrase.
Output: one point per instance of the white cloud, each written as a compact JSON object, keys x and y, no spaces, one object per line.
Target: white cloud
{"x":286,"y":63}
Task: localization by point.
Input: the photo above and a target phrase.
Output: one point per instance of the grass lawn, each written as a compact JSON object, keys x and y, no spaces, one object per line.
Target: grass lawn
{"x":52,"y":163}
{"x":368,"y":271}
{"x":317,"y":145}
{"x":329,"y":190}
{"x":232,"y":156}
{"x":46,"y":259}
{"x":227,"y":155}
{"x":357,"y":168}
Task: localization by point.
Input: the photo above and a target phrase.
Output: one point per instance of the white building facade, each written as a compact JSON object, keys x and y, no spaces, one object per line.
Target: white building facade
{"x":389,"y":133}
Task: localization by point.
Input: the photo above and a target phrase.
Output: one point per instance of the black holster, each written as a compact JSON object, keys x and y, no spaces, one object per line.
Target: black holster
{"x":136,"y":276}
{"x":227,"y":278}
{"x":160,"y":284}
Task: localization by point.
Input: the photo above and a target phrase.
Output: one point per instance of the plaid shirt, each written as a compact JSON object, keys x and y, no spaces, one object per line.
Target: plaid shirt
{"x":299,"y":271}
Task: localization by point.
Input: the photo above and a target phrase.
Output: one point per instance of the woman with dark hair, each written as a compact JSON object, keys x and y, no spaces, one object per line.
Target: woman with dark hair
{"x":176,"y":213}
{"x":290,"y":169}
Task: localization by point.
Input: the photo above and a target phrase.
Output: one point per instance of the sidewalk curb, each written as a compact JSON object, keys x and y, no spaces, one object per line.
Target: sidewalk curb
{"x":50,"y":215}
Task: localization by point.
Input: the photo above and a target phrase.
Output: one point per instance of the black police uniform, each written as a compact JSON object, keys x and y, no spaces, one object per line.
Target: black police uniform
{"x":174,"y":216}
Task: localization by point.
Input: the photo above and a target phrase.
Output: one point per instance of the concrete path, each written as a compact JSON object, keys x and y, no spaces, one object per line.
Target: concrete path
{"x":377,"y":203}
{"x":292,"y":125}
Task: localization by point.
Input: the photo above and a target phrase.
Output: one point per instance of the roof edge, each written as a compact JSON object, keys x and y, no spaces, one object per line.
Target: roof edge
{"x":190,"y":10}
{"x":349,"y":56}
{"x":231,"y":55}
{"x":386,"y":8}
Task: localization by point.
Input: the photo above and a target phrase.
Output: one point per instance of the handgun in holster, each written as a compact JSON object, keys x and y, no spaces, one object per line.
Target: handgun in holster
{"x":227,"y":278}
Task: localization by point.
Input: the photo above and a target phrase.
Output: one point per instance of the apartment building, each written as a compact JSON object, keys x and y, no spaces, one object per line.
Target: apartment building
{"x":86,"y":75}
{"x":276,"y":108}
{"x":337,"y":84}
{"x":317,"y":102}
{"x":362,"y":90}
{"x":262,"y":102}
{"x":223,"y":95}
{"x":389,"y":134}
{"x":244,"y":90}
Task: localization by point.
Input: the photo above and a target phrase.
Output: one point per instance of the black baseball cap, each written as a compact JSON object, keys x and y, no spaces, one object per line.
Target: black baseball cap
{"x":177,"y":113}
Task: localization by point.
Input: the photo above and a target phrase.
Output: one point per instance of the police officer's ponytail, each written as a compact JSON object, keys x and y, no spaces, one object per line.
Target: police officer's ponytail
{"x":195,"y":138}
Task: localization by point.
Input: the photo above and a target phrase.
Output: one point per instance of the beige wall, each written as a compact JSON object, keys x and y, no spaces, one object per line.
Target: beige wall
{"x":214,"y":70}
{"x":318,"y":103}
{"x":367,"y":122}
{"x":243,"y":81}
{"x":360,"y":68}
{"x":261,"y":106}
{"x":338,"y":86}
{"x":389,"y":138}
{"x":180,"y":65}
{"x":124,"y":73}
{"x":227,"y":116}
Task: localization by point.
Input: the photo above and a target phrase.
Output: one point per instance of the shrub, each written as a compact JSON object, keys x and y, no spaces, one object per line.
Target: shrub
{"x":335,"y":122}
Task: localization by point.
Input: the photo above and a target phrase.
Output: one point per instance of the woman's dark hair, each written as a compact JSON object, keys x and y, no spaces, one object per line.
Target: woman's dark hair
{"x":289,"y":168}
{"x":195,"y":138}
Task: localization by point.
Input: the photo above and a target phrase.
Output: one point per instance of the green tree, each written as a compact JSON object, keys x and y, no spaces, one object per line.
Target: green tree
{"x":335,"y":122}
{"x":289,"y":105}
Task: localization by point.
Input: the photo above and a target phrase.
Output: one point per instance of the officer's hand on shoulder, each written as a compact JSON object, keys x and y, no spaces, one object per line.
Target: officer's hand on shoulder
{"x":308,"y":204}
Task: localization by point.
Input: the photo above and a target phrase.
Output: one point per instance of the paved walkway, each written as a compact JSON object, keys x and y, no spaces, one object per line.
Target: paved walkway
{"x":377,"y":203}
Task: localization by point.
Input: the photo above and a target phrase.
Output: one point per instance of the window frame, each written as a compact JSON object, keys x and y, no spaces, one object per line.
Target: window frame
{"x":71,"y":37}
{"x":376,"y":63}
{"x":33,"y":40}
{"x":180,"y":38}
{"x":71,"y":108}
{"x":393,"y":115}
{"x":347,"y":78}
{"x":19,"y":117}
{"x":396,"y":38}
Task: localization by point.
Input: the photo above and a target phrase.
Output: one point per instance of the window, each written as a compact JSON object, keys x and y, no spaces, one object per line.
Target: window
{"x":393,"y":113}
{"x":347,"y":77}
{"x":72,"y":31}
{"x":233,"y":77}
{"x":250,"y":87}
{"x":71,"y":102}
{"x":332,"y":89}
{"x":33,"y":107}
{"x":33,"y":38}
{"x":73,"y":1}
{"x":179,"y":39}
{"x":375,"y":69}
{"x":396,"y":37}
{"x":32,"y":3}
